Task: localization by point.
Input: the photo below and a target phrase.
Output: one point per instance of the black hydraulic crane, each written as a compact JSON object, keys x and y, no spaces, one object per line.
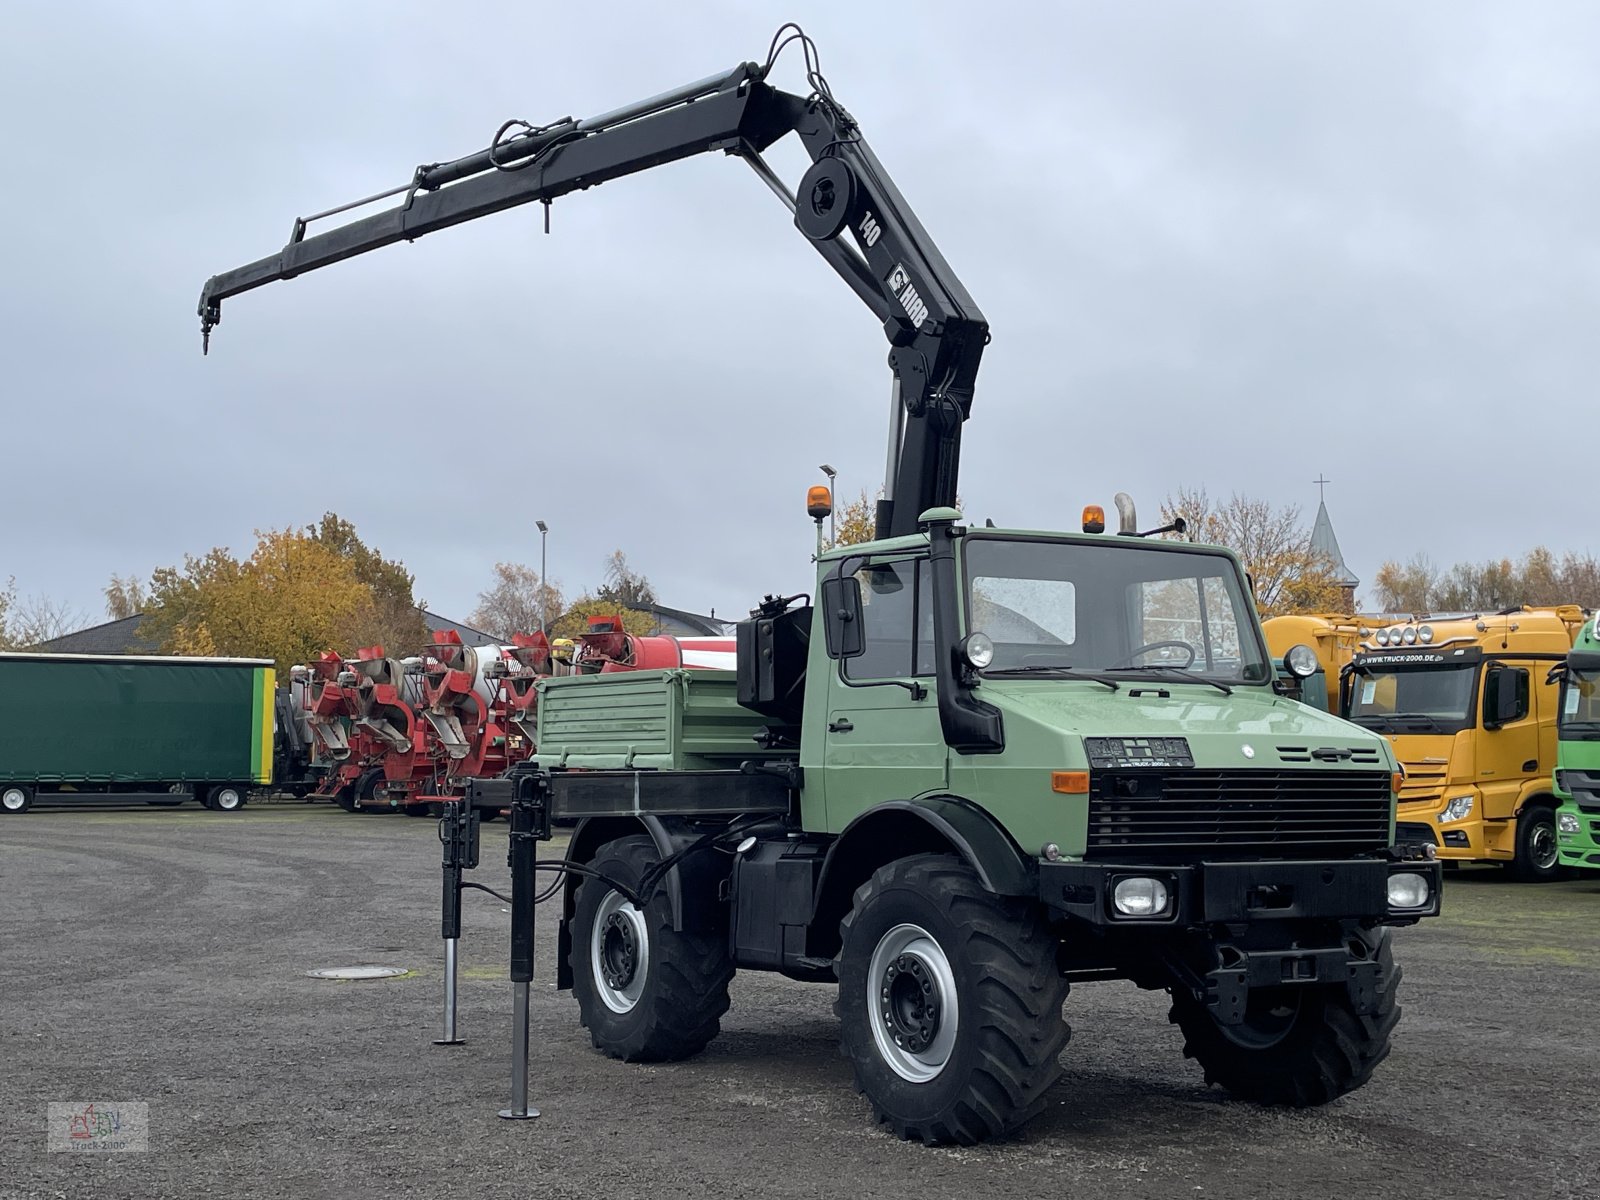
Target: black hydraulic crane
{"x":935,"y":331}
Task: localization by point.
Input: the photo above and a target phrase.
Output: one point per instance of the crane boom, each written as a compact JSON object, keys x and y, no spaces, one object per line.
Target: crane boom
{"x":935,"y":332}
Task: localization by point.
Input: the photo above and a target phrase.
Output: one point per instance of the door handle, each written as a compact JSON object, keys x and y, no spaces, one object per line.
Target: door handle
{"x":840,"y":726}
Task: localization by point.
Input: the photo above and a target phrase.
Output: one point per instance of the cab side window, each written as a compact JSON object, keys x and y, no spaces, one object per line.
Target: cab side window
{"x":896,"y":622}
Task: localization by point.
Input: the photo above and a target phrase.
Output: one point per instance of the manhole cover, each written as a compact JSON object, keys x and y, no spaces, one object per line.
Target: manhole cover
{"x":358,"y":972}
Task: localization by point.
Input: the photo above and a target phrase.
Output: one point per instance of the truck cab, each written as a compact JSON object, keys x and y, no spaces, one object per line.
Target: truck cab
{"x":1075,"y":653}
{"x":1577,"y":777}
{"x":1470,"y":708}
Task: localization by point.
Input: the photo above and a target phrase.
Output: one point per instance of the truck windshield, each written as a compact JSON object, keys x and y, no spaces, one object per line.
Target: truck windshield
{"x":1156,"y":611}
{"x":1422,"y":699}
{"x":1580,"y":706}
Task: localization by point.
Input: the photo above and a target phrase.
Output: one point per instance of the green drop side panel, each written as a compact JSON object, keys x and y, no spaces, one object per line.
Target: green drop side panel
{"x":665,"y":720}
{"x":133,"y":721}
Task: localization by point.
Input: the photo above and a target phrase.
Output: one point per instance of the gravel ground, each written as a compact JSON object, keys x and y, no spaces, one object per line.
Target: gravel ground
{"x":160,"y":955}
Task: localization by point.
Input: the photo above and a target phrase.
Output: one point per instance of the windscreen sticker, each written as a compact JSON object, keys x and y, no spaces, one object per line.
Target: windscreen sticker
{"x":1369,"y":689}
{"x":1573,"y":697}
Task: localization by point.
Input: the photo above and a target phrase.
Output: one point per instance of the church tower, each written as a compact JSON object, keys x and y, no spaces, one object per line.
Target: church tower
{"x":1326,"y":543}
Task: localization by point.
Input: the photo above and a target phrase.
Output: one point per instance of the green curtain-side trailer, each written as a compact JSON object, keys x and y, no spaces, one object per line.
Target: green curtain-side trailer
{"x":71,"y":722}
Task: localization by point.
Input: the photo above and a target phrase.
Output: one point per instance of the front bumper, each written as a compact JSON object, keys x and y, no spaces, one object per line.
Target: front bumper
{"x":1233,"y":927}
{"x":1232,"y":893}
{"x":1580,"y":849}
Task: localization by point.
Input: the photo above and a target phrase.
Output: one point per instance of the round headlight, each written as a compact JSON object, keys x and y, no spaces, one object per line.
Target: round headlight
{"x":1409,"y":635}
{"x":978,"y":650}
{"x":1425,"y":634}
{"x":1408,"y":890}
{"x":1383,"y":637}
{"x":1140,"y":896}
{"x":1301,"y":661}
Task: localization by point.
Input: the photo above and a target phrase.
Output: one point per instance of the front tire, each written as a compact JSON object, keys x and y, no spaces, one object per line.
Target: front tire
{"x":949,"y":1002}
{"x":15,"y":799}
{"x":1538,"y":858}
{"x":1298,"y":1046}
{"x":645,"y":992}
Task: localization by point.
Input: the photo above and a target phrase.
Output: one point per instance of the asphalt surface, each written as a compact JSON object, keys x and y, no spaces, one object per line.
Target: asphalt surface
{"x":159,"y":955}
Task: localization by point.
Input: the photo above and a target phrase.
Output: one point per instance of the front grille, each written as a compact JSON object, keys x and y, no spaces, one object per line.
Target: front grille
{"x":1279,"y":814}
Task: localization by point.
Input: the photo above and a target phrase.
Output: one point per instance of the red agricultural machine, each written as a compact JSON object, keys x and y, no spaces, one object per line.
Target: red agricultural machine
{"x":407,"y":734}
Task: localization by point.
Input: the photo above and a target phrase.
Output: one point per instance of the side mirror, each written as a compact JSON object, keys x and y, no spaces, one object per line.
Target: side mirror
{"x":1505,"y":696}
{"x":841,"y":616}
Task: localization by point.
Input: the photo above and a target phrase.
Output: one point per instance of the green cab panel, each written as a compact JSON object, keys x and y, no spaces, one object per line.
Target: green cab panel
{"x":67,"y":719}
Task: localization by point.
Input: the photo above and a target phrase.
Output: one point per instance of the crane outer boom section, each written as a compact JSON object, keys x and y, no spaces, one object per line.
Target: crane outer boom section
{"x":935,"y":331}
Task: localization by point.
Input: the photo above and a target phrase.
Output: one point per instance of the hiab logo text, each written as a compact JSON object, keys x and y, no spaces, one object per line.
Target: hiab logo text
{"x":99,"y":1126}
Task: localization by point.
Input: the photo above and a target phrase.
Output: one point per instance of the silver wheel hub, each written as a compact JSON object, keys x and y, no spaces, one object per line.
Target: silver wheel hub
{"x":1542,"y":844}
{"x":619,"y":953}
{"x":912,"y":1004}
{"x":12,"y":799}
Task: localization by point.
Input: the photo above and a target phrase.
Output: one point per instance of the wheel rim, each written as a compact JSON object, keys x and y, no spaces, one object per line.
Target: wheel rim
{"x":619,"y":953}
{"x":12,"y":799}
{"x":1542,"y":845}
{"x":911,"y":996}
{"x":226,"y":799}
{"x":1268,"y":1017}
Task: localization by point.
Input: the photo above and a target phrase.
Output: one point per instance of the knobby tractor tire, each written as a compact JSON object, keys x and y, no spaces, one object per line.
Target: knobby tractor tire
{"x":1299,"y":1046}
{"x":666,"y":990}
{"x":926,"y":925}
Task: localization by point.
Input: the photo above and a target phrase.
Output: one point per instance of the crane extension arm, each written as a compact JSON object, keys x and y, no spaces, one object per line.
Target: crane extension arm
{"x":935,"y":331}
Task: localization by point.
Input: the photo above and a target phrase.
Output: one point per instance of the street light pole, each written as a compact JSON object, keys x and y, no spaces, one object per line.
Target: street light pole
{"x":544,"y":586}
{"x":833,"y":517}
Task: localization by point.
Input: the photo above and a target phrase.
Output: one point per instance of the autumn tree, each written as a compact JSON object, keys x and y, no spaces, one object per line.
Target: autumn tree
{"x":1539,"y":577}
{"x":8,"y":598}
{"x":574,"y":622}
{"x":1273,"y":543}
{"x":623,"y":586}
{"x":391,"y":616}
{"x":125,"y":597}
{"x":516,"y":601}
{"x":855,"y":522}
{"x":291,"y":599}
{"x":301,"y":591}
{"x":36,"y":619}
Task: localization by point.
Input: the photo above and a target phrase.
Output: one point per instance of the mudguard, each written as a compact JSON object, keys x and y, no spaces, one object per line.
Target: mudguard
{"x":1001,"y":865}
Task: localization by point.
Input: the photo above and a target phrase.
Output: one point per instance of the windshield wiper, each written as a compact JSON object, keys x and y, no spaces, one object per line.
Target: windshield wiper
{"x":1053,"y":672}
{"x":1433,"y":722}
{"x":1224,"y":688}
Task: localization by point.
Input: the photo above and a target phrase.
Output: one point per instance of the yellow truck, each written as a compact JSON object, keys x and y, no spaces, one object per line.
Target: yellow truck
{"x":1469,"y":706}
{"x":1334,"y":637}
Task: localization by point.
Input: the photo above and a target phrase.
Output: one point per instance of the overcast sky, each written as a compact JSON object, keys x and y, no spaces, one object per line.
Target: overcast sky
{"x":1230,"y":245}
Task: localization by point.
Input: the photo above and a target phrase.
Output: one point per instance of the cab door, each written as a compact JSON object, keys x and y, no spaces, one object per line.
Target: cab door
{"x":882,"y":737}
{"x":1509,"y":751}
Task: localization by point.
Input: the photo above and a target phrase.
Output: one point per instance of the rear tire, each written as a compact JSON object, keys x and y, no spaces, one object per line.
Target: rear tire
{"x":646,"y":992}
{"x":1538,"y":858}
{"x":345,"y":798}
{"x":1299,"y":1046}
{"x":15,"y":798}
{"x":226,"y":797}
{"x":418,"y":810}
{"x":949,"y":1002}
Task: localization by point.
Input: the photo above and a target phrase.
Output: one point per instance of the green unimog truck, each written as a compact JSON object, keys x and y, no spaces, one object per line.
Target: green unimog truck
{"x":984,"y":764}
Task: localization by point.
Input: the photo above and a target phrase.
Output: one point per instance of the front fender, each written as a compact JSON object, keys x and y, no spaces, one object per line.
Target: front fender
{"x":968,"y":830}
